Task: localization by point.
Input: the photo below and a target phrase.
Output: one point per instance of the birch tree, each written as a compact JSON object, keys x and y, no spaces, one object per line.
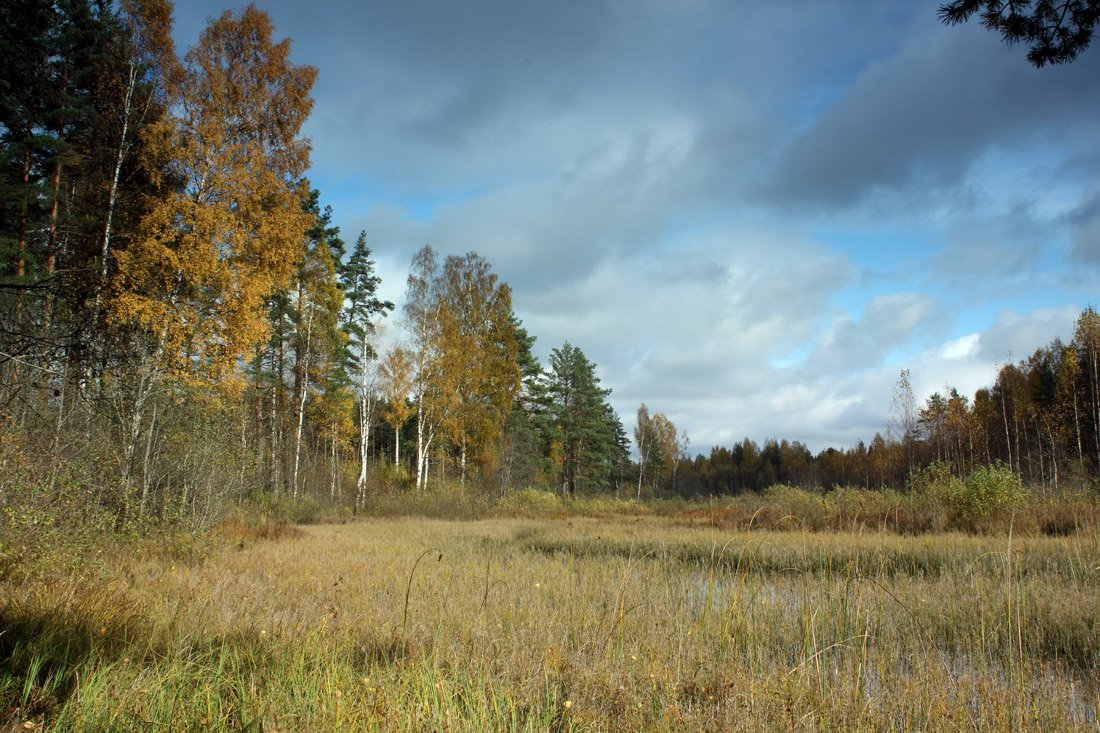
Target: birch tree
{"x":479,"y":349}
{"x":397,"y":379}
{"x":905,"y":420}
{"x":192,"y":285}
{"x":424,"y":327}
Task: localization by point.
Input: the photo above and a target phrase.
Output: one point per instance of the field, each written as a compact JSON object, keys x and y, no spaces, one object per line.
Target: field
{"x":612,"y":623}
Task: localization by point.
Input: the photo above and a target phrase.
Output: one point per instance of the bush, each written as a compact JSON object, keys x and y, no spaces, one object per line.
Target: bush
{"x":283,"y":509}
{"x":1066,"y":512}
{"x":452,"y":500}
{"x":788,"y":504}
{"x":531,"y":503}
{"x":991,"y":492}
{"x":986,"y":499}
{"x":850,"y":506}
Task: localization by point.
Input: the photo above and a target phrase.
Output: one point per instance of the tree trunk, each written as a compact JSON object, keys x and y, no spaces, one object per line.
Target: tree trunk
{"x":462,"y":470}
{"x":1093,"y":359}
{"x":24,"y":218}
{"x":366,"y":404}
{"x":275,"y":451}
{"x":420,"y":443}
{"x":1077,"y":429}
{"x":146,"y":384}
{"x":304,"y":391}
{"x":427,"y":463}
{"x":335,"y":468}
{"x":149,"y":437}
{"x":259,"y":413}
{"x":51,"y":246}
{"x":112,"y":195}
{"x":1053,"y":455}
{"x":364,"y":433}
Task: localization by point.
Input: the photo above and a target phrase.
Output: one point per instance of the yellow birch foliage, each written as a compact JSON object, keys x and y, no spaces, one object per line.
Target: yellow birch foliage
{"x":666,"y":442}
{"x":396,"y":382}
{"x":480,"y":352}
{"x":232,"y":229}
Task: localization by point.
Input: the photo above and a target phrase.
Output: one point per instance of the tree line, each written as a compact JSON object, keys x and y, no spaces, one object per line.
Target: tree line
{"x":1040,"y":417}
{"x":182,"y":325}
{"x":181,"y":322}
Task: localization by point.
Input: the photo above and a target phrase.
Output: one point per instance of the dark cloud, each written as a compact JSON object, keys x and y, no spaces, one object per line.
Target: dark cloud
{"x":1004,"y":265}
{"x":917,"y":122}
{"x":1085,"y":223}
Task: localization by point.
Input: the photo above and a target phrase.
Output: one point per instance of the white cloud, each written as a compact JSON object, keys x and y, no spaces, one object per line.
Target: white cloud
{"x":1015,"y":336}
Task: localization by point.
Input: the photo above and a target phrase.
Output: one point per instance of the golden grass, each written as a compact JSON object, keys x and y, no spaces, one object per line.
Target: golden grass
{"x":618,"y":623}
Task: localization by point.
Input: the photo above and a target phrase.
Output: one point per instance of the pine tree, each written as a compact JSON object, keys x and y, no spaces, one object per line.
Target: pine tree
{"x":521,"y":451}
{"x":363,"y":307}
{"x":317,"y":339}
{"x":56,"y":102}
{"x":1056,"y":31}
{"x":582,"y":423}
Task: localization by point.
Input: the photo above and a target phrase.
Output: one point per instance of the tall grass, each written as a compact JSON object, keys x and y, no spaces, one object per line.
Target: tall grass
{"x":624,"y":622}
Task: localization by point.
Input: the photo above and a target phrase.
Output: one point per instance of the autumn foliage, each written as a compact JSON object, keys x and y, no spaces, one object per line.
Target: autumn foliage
{"x":183,"y":329}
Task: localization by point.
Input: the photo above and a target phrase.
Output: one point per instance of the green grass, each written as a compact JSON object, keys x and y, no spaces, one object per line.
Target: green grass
{"x":617,"y":622}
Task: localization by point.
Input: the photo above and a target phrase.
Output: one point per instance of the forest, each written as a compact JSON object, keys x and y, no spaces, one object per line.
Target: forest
{"x":230,"y":470}
{"x":184,"y":330}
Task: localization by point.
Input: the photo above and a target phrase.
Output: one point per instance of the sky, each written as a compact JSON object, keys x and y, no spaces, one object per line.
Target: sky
{"x":751,"y":216}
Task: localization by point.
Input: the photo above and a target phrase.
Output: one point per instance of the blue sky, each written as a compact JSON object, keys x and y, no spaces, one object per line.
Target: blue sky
{"x":751,"y":216}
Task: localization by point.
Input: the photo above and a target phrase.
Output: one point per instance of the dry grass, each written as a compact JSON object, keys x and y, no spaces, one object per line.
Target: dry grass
{"x":619,"y":623}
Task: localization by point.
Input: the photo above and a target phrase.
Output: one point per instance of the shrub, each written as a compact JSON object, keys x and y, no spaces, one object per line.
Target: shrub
{"x":849,"y":506}
{"x":452,"y":500}
{"x":283,"y":509}
{"x":986,"y":499}
{"x":788,"y":504}
{"x":1066,"y":512}
{"x":530,"y":503}
{"x":991,"y":492}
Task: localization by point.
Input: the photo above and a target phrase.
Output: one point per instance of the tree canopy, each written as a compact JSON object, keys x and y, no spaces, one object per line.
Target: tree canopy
{"x":1057,"y":32}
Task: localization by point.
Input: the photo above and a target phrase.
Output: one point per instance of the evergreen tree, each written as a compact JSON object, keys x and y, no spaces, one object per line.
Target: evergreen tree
{"x":362,"y":307}
{"x":59,"y":68}
{"x":522,"y":453}
{"x":1056,"y":30}
{"x":584,"y":430}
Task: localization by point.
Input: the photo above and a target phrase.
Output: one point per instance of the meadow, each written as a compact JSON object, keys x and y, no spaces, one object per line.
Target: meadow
{"x":616,"y":622}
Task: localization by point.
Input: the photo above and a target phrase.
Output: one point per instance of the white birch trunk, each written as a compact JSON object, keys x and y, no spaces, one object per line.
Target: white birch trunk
{"x":302,"y":404}
{"x":420,"y":443}
{"x":366,"y":413}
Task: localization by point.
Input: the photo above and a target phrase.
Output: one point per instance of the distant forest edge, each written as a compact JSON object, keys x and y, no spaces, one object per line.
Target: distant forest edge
{"x":1040,"y":418}
{"x":183,"y":328}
